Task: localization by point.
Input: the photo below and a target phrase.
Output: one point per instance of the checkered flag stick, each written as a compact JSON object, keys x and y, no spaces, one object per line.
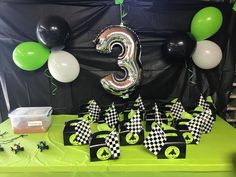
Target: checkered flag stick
{"x":112,"y":143}
{"x":202,"y":102}
{"x":155,"y":140}
{"x":157,"y":115}
{"x":208,"y":121}
{"x":112,"y":117}
{"x":177,"y":109}
{"x":83,"y":132}
{"x":139,"y":100}
{"x":94,"y":110}
{"x":135,"y":123}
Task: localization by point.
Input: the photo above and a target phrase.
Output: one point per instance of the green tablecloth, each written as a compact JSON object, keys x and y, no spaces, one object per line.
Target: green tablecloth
{"x":211,"y":158}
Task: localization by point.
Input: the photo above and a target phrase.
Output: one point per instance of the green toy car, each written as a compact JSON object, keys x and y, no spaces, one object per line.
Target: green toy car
{"x":17,"y":148}
{"x":42,"y":146}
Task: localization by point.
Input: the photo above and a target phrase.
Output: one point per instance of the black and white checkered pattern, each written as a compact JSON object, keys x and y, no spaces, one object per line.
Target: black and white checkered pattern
{"x":195,"y":126}
{"x":202,"y":123}
{"x":139,"y":100}
{"x":155,"y":140}
{"x":202,"y":102}
{"x":112,"y":117}
{"x":135,"y":123}
{"x":113,"y":144}
{"x":208,"y":121}
{"x":177,"y":109}
{"x":83,"y":132}
{"x":157,"y":115}
{"x":94,"y":110}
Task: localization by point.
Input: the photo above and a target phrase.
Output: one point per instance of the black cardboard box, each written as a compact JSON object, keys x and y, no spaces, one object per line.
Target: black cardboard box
{"x":127,"y":138}
{"x":150,"y":120}
{"x":98,"y":148}
{"x":174,"y":148}
{"x":69,"y":133}
{"x":182,"y":126}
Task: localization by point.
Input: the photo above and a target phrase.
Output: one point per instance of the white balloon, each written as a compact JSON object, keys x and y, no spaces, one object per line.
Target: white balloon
{"x":63,"y":66}
{"x":207,"y":54}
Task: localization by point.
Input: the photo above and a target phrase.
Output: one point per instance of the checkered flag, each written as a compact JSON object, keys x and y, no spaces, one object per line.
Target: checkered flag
{"x":113,"y":144}
{"x":195,"y":126}
{"x":139,"y":101}
{"x":94,"y":110}
{"x":202,"y":102}
{"x":83,"y":132}
{"x":155,"y":140}
{"x":111,"y":117}
{"x":135,"y":123}
{"x":177,"y":109}
{"x":157,"y":115}
{"x":208,"y":120}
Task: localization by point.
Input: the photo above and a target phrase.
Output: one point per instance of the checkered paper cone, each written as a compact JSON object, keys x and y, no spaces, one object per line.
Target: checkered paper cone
{"x":135,"y":123}
{"x":177,"y":108}
{"x":83,"y":132}
{"x":155,"y":140}
{"x":202,"y":102}
{"x":112,"y":117}
{"x":139,"y":101}
{"x":94,"y":110}
{"x":208,"y":121}
{"x":112,"y":143}
{"x":157,"y":115}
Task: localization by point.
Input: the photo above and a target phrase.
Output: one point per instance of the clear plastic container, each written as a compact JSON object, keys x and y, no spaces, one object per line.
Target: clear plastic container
{"x":30,"y":119}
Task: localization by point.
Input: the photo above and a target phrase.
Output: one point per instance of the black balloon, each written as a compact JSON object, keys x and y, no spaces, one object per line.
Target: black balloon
{"x":179,"y":47}
{"x":53,"y":31}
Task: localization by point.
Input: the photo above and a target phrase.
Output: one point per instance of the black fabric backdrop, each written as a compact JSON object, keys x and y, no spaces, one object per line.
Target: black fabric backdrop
{"x":153,"y":20}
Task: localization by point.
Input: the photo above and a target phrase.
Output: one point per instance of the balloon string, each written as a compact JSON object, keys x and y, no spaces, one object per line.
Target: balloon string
{"x":47,"y":74}
{"x":123,"y":14}
{"x":121,"y":20}
{"x":192,"y":74}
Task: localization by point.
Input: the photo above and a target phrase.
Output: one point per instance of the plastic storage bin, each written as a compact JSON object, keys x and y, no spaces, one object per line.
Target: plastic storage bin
{"x":30,"y":119}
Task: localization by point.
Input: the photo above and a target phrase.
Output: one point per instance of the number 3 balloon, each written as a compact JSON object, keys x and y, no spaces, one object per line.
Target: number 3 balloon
{"x":128,"y":60}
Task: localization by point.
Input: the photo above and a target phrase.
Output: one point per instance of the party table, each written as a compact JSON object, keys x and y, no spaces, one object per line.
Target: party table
{"x":211,"y":158}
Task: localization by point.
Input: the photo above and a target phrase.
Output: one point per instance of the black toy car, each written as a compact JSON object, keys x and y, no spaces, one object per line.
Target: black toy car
{"x":17,"y":148}
{"x":1,"y":148}
{"x":42,"y":146}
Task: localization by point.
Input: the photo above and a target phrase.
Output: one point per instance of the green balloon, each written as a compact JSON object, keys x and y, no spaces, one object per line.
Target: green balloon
{"x":206,"y":22}
{"x":30,"y":56}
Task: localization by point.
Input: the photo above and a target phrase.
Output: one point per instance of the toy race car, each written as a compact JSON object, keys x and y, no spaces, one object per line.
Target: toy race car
{"x":1,"y":148}
{"x":42,"y":146}
{"x":17,"y":148}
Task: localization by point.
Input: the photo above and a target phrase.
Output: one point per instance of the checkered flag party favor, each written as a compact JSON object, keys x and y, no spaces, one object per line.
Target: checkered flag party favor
{"x":112,"y":143}
{"x":83,"y":132}
{"x":202,"y":102}
{"x":157,"y":115}
{"x":177,"y":109}
{"x":208,"y":121}
{"x":195,"y":126}
{"x":112,"y":117}
{"x":139,"y":101}
{"x":155,"y":140}
{"x":94,"y":110}
{"x":135,"y":123}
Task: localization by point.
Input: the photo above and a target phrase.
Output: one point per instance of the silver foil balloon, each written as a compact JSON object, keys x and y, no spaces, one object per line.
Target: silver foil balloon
{"x":128,"y":59}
